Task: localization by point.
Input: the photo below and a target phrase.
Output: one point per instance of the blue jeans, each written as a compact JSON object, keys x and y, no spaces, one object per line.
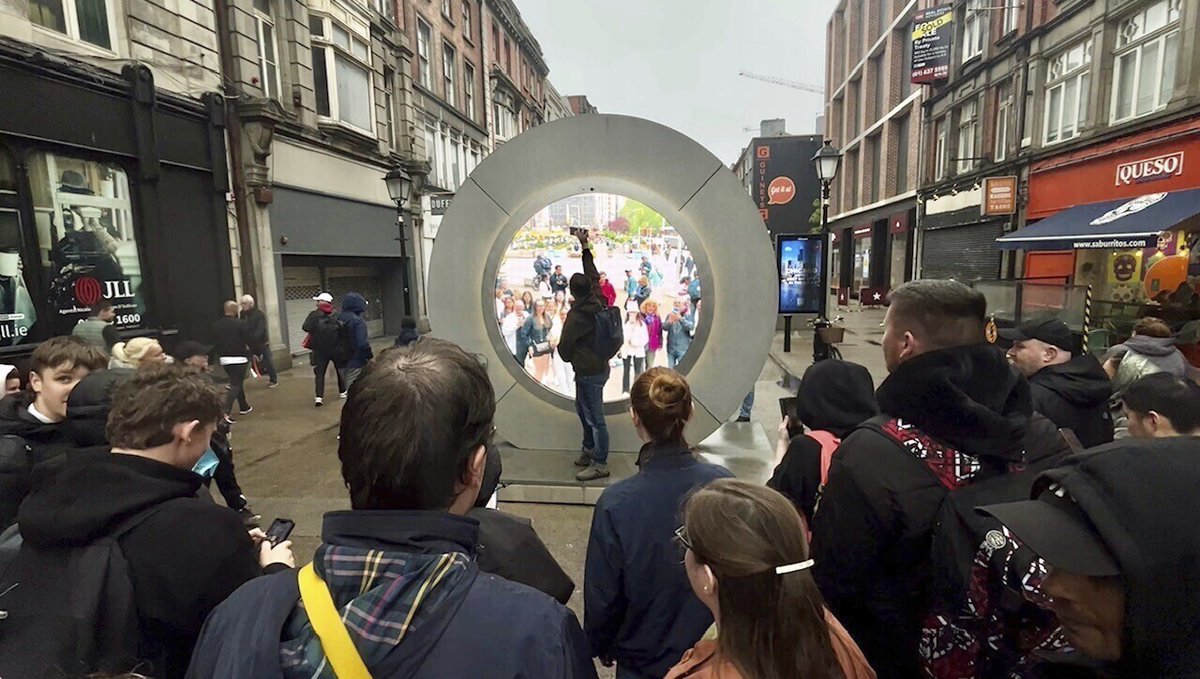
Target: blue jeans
{"x":747,"y":405}
{"x":589,"y":405}
{"x":674,"y":358}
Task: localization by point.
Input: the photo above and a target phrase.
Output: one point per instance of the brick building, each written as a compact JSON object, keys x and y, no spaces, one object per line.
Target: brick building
{"x":872,"y":113}
{"x":516,"y":72}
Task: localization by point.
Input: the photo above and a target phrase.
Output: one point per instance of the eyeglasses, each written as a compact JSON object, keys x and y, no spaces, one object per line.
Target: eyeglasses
{"x":681,"y":539}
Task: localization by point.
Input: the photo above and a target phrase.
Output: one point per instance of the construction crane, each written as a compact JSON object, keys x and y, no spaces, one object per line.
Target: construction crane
{"x":783,"y":82}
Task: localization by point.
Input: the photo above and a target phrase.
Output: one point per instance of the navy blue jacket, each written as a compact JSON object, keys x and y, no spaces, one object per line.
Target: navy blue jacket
{"x":353,"y":306}
{"x":501,"y":629}
{"x":638,"y":606}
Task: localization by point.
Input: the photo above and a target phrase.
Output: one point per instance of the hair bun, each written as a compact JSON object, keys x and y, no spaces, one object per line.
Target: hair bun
{"x":668,"y":391}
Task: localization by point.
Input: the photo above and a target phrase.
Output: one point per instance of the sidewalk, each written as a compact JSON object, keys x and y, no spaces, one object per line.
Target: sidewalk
{"x":864,"y":333}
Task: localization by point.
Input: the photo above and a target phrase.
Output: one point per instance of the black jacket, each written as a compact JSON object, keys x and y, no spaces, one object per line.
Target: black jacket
{"x":183,"y":561}
{"x":232,"y":338}
{"x":575,"y":345}
{"x":834,"y":396}
{"x":638,"y":606}
{"x":500,"y":630}
{"x":1074,"y":395}
{"x":558,"y":282}
{"x":872,"y":530}
{"x":24,"y":442}
{"x":256,"y":328}
{"x":1140,"y":495}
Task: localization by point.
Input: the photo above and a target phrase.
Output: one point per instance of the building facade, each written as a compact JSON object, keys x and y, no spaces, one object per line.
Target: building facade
{"x":113,"y":175}
{"x":580,"y":105}
{"x":516,"y":72}
{"x":872,"y":114}
{"x":557,"y":106}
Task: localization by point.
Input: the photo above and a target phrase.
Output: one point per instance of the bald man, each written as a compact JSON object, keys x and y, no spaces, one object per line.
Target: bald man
{"x":233,"y":346}
{"x":260,"y":340}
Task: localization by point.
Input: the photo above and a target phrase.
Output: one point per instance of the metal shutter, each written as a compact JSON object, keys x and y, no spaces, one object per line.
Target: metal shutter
{"x":300,"y":285}
{"x":966,"y":253}
{"x":365,"y":281}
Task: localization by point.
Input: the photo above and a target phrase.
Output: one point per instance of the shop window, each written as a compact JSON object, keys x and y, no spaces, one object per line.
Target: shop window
{"x":423,"y":38}
{"x":448,"y":69}
{"x":268,"y":51}
{"x":974,"y":29}
{"x":968,"y":132}
{"x":88,"y":21}
{"x":1147,"y":53}
{"x":1068,"y":81}
{"x":342,"y":72}
{"x":17,"y":312}
{"x":86,"y":244}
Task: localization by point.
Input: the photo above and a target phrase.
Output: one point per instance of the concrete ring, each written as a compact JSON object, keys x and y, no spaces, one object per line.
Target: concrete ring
{"x":650,"y":163}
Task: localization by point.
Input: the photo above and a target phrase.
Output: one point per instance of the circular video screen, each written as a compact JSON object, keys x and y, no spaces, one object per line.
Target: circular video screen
{"x":646,"y":270}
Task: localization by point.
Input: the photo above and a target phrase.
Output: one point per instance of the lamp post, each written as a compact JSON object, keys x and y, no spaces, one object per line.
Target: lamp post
{"x":399,"y":186}
{"x":827,"y":160}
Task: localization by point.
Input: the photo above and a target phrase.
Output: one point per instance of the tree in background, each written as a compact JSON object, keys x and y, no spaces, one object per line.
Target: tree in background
{"x":618,"y":225}
{"x":643,"y":220}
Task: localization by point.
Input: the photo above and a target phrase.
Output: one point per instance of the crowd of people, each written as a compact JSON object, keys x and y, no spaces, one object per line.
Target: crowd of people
{"x":531,"y":317}
{"x":972,"y":516}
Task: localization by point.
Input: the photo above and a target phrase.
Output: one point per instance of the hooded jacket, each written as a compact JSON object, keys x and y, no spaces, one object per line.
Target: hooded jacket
{"x":183,"y":560}
{"x":256,"y":328}
{"x":472,"y":625}
{"x":1140,"y":356}
{"x":575,"y":345}
{"x":836,"y":397}
{"x":25,"y":441}
{"x":1140,"y":495}
{"x":1074,"y":395}
{"x":872,"y":530}
{"x":353,"y":307}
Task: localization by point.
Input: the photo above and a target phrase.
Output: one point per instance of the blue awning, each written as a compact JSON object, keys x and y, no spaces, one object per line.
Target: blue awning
{"x":1118,"y":224}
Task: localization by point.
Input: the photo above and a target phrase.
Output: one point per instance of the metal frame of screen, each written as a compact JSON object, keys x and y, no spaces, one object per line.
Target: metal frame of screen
{"x":800,"y":303}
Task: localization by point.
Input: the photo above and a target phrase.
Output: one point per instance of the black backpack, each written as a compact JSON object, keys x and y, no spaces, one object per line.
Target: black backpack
{"x":609,"y":334}
{"x":331,"y":337}
{"x":67,"y":611}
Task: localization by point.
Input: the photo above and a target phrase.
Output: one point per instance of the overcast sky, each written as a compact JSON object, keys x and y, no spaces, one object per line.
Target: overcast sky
{"x":676,"y":61}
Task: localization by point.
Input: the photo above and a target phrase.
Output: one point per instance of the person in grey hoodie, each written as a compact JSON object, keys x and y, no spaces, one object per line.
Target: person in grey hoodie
{"x":1151,"y":349}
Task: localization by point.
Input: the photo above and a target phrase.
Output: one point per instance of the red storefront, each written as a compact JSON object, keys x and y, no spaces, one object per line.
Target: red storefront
{"x":1108,"y":214}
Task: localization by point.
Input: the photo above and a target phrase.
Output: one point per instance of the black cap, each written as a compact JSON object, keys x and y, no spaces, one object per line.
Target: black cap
{"x":189,"y":348}
{"x":1057,"y":530}
{"x":1051,"y":331}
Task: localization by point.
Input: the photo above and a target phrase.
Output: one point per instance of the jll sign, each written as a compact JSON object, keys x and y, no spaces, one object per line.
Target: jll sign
{"x":1150,"y":169}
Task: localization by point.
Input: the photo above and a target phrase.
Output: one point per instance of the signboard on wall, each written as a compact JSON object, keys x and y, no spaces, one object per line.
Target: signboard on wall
{"x":784,"y":181}
{"x":999,"y":196}
{"x":439,"y":203}
{"x":932,"y":38}
{"x":799,"y":259}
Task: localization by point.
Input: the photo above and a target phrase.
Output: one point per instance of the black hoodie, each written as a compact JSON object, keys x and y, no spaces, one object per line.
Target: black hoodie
{"x":1074,"y":395}
{"x":873,"y":527}
{"x":1140,"y":495}
{"x":24,"y":442}
{"x":183,"y":560}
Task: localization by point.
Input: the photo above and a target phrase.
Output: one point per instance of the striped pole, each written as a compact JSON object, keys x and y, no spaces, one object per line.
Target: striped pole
{"x":1087,"y":316}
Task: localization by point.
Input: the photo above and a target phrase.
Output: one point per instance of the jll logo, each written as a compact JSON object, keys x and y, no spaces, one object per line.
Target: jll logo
{"x":1150,"y":169}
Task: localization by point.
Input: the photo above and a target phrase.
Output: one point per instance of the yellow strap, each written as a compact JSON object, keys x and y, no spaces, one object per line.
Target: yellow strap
{"x":327,"y":623}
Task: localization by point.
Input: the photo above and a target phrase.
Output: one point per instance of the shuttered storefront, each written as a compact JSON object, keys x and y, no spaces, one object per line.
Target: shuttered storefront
{"x":965,"y":253}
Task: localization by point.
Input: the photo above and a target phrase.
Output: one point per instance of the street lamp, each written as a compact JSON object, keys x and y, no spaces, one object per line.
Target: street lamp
{"x":399,"y":187}
{"x":827,"y":160}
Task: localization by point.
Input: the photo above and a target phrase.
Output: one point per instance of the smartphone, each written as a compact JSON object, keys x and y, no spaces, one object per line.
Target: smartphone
{"x":577,"y":230}
{"x":279,"y":531}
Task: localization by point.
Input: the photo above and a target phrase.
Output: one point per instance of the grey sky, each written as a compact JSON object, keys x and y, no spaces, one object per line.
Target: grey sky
{"x":677,"y":61}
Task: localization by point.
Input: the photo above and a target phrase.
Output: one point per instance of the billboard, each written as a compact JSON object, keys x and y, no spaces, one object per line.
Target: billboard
{"x":784,"y":181}
{"x":933,"y":33}
{"x":799,"y":259}
{"x":999,"y":196}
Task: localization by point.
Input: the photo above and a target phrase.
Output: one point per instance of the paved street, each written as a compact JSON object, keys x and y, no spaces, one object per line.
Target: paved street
{"x":286,"y":450}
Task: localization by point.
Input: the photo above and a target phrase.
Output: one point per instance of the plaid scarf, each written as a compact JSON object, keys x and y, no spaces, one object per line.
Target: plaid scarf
{"x":383,"y":598}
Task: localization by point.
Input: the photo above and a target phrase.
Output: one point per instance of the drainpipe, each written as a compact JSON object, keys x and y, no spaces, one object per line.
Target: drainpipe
{"x":231,"y":92}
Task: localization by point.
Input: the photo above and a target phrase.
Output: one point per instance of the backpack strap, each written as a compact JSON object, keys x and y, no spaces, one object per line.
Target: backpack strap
{"x":327,"y":623}
{"x":829,"y":443}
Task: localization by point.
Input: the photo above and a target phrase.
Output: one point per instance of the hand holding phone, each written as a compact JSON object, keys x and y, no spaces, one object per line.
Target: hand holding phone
{"x":279,"y":531}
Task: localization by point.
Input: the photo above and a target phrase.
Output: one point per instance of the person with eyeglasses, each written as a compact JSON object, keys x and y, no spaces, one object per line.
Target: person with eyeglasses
{"x":747,"y":560}
{"x":639,"y":611}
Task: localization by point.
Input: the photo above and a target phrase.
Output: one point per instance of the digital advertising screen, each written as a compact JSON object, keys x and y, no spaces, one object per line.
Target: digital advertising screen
{"x":800,"y":259}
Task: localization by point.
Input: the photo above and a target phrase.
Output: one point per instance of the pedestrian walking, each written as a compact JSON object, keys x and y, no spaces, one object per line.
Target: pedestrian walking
{"x":639,"y":611}
{"x":353,"y":308}
{"x":578,"y":347}
{"x":607,"y":290}
{"x":325,"y":332}
{"x":408,"y":332}
{"x":631,"y":285}
{"x":257,"y":331}
{"x":744,"y":545}
{"x":233,"y":347}
{"x":98,"y":329}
